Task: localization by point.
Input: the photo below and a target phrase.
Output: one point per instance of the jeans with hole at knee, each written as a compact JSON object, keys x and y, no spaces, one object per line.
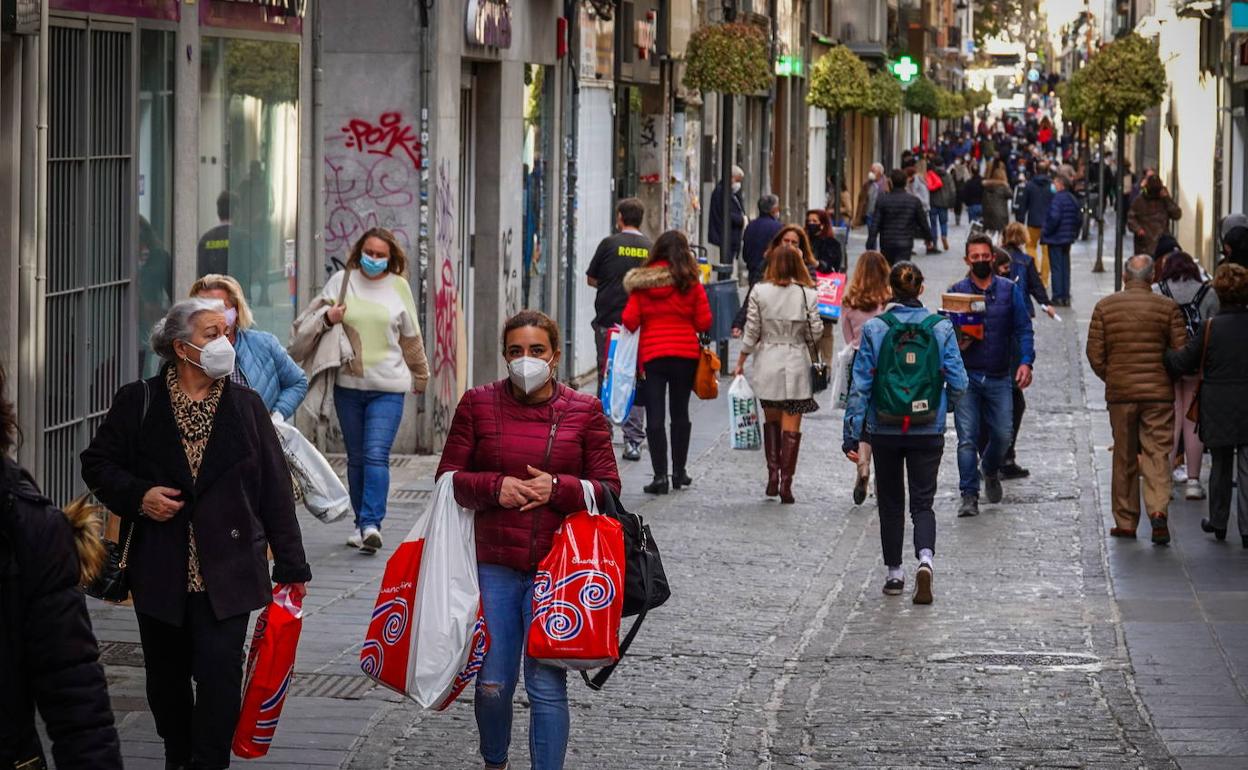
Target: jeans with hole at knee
{"x":369,"y":419}
{"x":987,"y":405}
{"x":507,"y":600}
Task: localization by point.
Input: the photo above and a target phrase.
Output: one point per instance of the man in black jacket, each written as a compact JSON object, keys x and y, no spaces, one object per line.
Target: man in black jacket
{"x":48,"y":654}
{"x":899,"y":217}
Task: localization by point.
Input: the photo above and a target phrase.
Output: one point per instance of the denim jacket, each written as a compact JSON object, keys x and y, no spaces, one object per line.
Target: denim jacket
{"x":270,"y":371}
{"x":860,"y":408}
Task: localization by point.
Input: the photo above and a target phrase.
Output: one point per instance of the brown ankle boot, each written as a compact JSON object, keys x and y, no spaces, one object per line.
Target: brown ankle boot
{"x":771,"y":447}
{"x":790,"y":443}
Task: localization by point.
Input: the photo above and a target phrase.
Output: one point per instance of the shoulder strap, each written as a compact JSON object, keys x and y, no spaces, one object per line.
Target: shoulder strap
{"x":930,"y":322}
{"x":342,"y":290}
{"x":1200,"y":295}
{"x":889,"y":319}
{"x":1165,"y":288}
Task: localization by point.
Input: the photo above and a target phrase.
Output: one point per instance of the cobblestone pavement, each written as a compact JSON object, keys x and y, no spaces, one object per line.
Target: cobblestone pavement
{"x":778,"y":650}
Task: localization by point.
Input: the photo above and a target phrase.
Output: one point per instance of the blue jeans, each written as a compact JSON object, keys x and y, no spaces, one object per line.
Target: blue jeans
{"x":988,"y":404}
{"x":369,"y":419}
{"x":974,"y":212}
{"x":1059,"y":258}
{"x":507,"y":600}
{"x":939,"y":219}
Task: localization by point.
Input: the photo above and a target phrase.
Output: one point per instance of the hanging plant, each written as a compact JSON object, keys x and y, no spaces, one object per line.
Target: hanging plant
{"x":838,"y":81}
{"x":922,"y":99}
{"x":729,"y":58}
{"x":884,"y":96}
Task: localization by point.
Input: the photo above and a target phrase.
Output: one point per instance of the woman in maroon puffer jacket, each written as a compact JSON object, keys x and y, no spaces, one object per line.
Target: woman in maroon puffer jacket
{"x":520,"y":448}
{"x":669,"y":305}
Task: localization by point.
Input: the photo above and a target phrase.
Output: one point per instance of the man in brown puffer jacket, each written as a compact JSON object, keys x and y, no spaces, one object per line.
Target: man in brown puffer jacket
{"x":1129,"y":334}
{"x":1150,"y":215}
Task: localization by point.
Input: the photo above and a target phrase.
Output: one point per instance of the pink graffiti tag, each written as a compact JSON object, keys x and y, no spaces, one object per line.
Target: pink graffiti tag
{"x":383,"y":138}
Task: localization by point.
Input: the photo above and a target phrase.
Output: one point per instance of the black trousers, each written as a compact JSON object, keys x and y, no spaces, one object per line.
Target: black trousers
{"x":898,"y":460}
{"x":1228,"y":462}
{"x":1020,"y":406}
{"x":669,"y":379}
{"x":895,"y":254}
{"x":194,"y":682}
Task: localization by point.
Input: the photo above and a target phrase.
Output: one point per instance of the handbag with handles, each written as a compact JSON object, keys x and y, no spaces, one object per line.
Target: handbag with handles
{"x":1193,"y":409}
{"x":706,"y":381}
{"x":818,"y":368}
{"x":112,"y":584}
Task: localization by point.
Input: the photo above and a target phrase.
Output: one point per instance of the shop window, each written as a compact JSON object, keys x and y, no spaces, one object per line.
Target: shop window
{"x":154,"y":269}
{"x":537,"y":244}
{"x":249,"y":170}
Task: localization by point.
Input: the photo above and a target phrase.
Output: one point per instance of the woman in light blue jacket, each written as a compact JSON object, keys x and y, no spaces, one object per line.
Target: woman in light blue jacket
{"x":904,"y":447}
{"x":261,"y":363}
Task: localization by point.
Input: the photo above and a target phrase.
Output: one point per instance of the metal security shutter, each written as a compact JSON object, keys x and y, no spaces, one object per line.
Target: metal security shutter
{"x":91,"y":192}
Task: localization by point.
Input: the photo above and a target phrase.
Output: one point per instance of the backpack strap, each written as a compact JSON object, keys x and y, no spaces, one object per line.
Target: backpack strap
{"x":1200,"y":296}
{"x":890,"y":320}
{"x":930,"y":322}
{"x":1165,"y":288}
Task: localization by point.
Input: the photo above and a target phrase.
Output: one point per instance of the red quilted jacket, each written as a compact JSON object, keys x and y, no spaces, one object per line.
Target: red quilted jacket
{"x":493,"y":435}
{"x":670,"y":320}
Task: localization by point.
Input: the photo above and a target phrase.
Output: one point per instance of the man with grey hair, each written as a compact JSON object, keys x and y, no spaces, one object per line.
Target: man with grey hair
{"x":736,"y":206}
{"x":758,"y":235}
{"x":878,"y":186}
{"x":1129,"y":334}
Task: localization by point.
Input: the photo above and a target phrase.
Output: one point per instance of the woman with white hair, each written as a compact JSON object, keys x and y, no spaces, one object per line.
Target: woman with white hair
{"x":192,"y":465}
{"x":262,"y":363}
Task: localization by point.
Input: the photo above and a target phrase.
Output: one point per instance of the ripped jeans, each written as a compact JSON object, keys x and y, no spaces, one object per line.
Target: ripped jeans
{"x":507,"y":600}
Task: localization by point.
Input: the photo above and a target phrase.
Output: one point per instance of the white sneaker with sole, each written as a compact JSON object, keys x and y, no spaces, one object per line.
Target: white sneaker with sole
{"x":1179,"y":474}
{"x":356,"y":539}
{"x":1192,"y":490}
{"x":372,"y":540}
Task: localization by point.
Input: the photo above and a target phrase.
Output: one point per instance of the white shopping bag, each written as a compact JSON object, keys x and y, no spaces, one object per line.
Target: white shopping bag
{"x":743,"y":415}
{"x":427,"y":637}
{"x":619,"y":383}
{"x":324,"y":495}
{"x":843,"y":367}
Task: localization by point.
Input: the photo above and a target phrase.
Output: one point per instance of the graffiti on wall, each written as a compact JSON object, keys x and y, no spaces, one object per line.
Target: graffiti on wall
{"x":445,"y":308}
{"x":511,"y":276}
{"x":388,"y":136}
{"x":651,"y":139}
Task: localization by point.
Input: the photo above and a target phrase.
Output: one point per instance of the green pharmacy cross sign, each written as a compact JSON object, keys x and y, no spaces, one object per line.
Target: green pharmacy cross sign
{"x":904,"y":69}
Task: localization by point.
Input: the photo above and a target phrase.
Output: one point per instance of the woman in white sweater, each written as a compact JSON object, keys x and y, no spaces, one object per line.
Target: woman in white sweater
{"x":379,"y":317}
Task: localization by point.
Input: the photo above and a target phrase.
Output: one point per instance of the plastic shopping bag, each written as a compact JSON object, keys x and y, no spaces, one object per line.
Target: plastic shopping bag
{"x":578,"y":594}
{"x":324,"y":495}
{"x":619,"y":382}
{"x":843,"y":370}
{"x":743,"y":415}
{"x":427,"y":637}
{"x":270,"y":667}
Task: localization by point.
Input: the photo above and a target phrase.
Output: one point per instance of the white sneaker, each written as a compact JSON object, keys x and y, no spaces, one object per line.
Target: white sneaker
{"x":372,"y":540}
{"x":1192,"y":490}
{"x":356,"y":539}
{"x":1179,"y":474}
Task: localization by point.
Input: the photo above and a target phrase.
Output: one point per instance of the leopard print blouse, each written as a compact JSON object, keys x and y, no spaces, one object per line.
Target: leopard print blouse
{"x":194,"y":420}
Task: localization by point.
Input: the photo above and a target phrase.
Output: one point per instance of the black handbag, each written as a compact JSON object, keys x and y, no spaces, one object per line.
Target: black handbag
{"x":645,"y":582}
{"x":112,"y":584}
{"x":818,"y":368}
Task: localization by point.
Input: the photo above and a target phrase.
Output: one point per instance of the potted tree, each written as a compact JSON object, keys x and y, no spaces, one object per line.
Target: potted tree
{"x":839,"y":83}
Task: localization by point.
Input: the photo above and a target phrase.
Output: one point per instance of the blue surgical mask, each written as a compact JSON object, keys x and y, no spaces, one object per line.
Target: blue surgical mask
{"x":372,"y":266}
{"x":1053,"y":188}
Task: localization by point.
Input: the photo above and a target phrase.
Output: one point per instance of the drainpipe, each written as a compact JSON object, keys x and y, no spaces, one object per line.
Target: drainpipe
{"x":571,"y":9}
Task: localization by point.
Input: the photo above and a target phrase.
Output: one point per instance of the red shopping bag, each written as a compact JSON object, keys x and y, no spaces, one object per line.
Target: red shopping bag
{"x":270,"y":666}
{"x":578,"y":595}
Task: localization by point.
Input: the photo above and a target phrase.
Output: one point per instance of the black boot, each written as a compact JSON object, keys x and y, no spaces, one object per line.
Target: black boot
{"x":656,"y":487}
{"x":680,"y":454}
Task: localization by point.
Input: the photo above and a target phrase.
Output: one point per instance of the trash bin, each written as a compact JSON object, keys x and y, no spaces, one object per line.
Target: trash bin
{"x":725,"y":303}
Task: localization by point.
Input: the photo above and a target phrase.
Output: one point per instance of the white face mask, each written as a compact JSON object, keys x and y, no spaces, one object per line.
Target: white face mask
{"x":736,"y":187}
{"x":870,"y":176}
{"x":529,"y":374}
{"x":216,"y":358}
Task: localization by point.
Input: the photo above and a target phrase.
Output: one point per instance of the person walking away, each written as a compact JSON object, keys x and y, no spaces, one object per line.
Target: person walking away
{"x":961,"y":174}
{"x":669,"y":305}
{"x":520,"y":448}
{"x":383,"y":326}
{"x":1023,"y":271}
{"x":904,"y":451}
{"x":997,"y":197}
{"x":917,"y":184}
{"x":1150,"y":214}
{"x":212,"y":253}
{"x":944,"y":196}
{"x":49,"y":658}
{"x":972,"y":196}
{"x":192,"y":465}
{"x":261,"y":363}
{"x":715,"y":229}
{"x":1061,"y":229}
{"x":615,"y":256}
{"x":1181,"y":281}
{"x":899,"y":218}
{"x":1033,"y":208}
{"x":1007,"y":347}
{"x":758,"y":234}
{"x":865,"y":297}
{"x":782,"y":322}
{"x":1234,"y":237}
{"x":879,"y":186}
{"x":829,"y":258}
{"x":1129,"y":333}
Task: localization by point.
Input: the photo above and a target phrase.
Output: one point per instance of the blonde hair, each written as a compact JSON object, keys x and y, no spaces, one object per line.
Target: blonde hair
{"x":230,"y":285}
{"x":1015,"y":235}
{"x":868,"y":288}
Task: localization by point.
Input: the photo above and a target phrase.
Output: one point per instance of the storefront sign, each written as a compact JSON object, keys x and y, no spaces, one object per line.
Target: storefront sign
{"x":488,"y":23}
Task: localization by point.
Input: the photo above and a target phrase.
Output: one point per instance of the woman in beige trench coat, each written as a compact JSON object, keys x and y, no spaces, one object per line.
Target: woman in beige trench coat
{"x":782,"y":326}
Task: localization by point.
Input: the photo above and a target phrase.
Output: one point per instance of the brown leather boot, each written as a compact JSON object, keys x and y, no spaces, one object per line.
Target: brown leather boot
{"x":790,"y":443}
{"x":771,"y":447}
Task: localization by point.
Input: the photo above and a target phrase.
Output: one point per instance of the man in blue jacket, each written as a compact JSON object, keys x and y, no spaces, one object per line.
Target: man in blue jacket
{"x":988,"y":402}
{"x":1061,"y":229}
{"x":758,"y":235}
{"x":1033,"y":207}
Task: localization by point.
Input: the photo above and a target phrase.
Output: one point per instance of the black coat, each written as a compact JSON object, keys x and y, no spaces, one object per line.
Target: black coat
{"x":899,"y":219}
{"x":240,"y":503}
{"x":1224,"y":392}
{"x":828,"y":254}
{"x":736,"y":211}
{"x":48,"y":654}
